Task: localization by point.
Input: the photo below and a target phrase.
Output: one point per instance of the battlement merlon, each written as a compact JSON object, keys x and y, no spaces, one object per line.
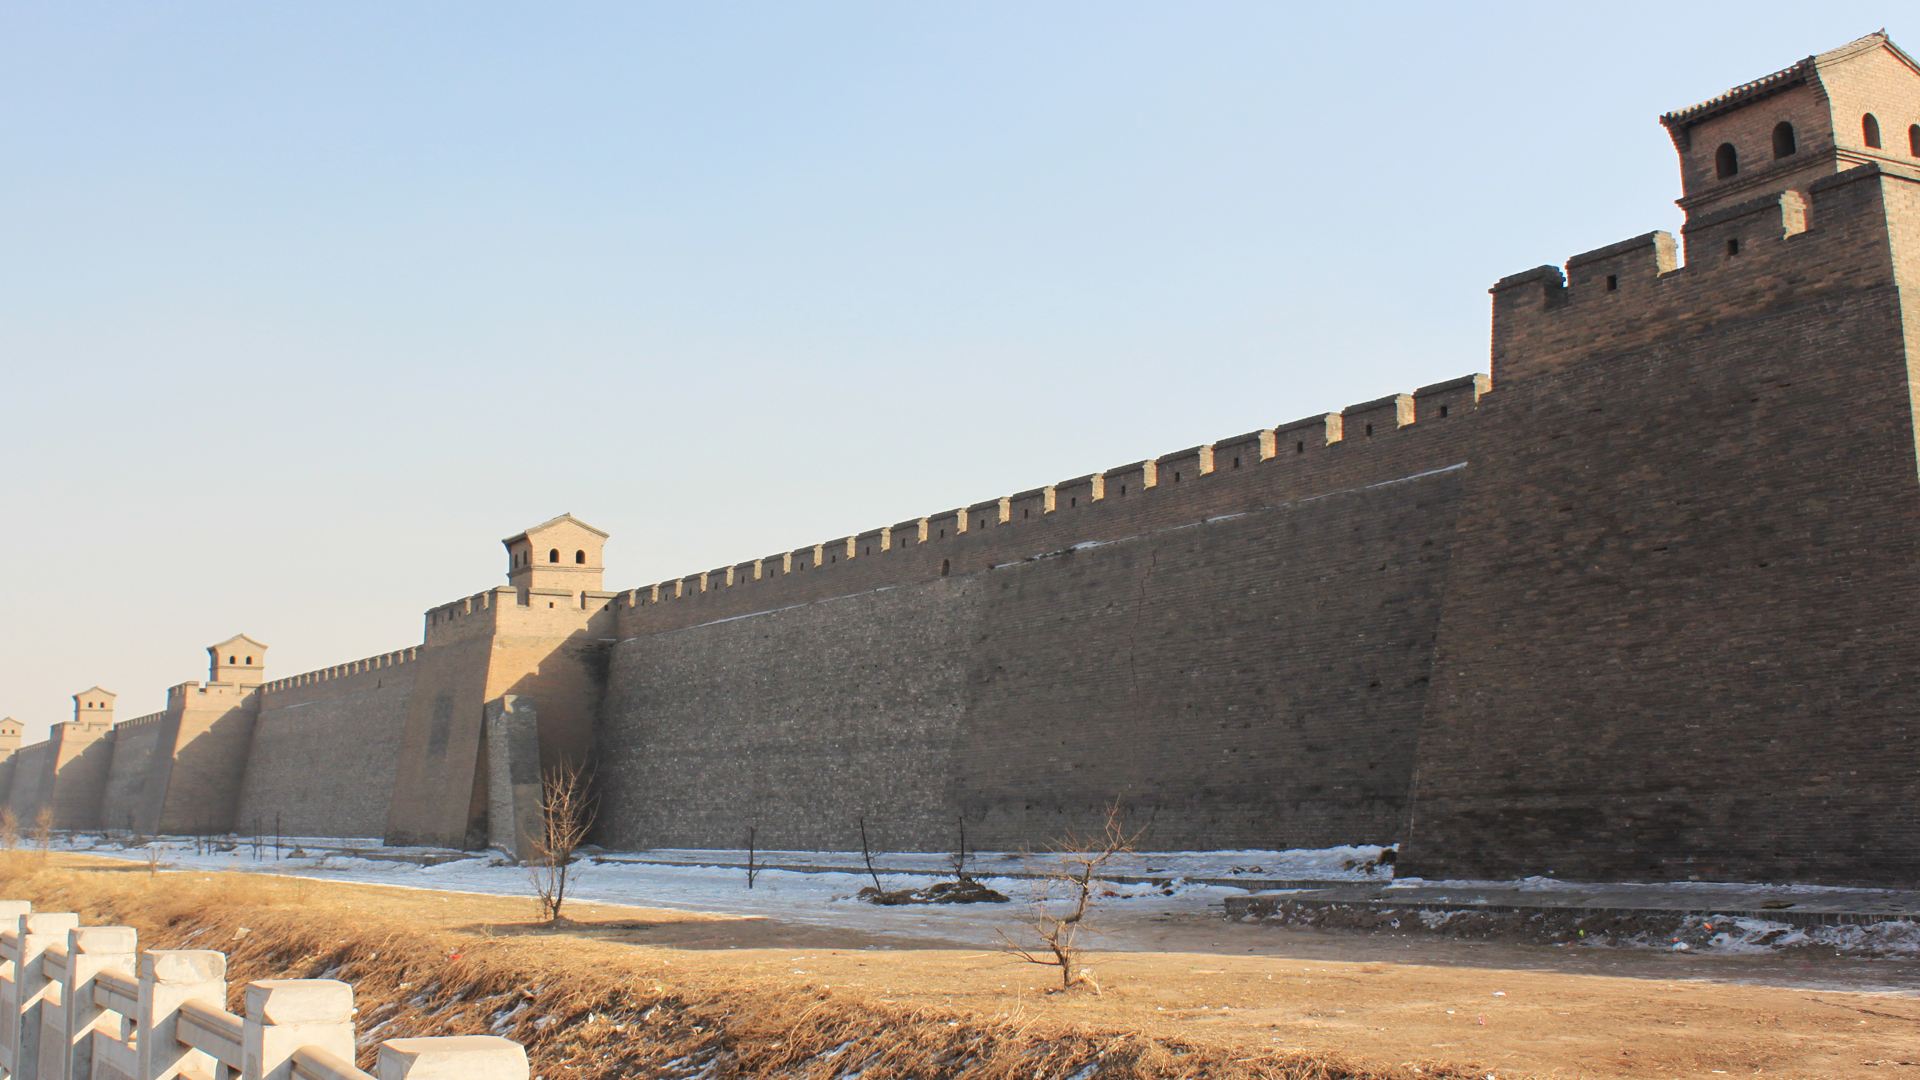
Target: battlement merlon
{"x":1744,"y":258}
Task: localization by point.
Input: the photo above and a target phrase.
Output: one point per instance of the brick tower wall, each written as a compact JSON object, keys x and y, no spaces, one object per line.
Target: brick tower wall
{"x":1679,"y":633}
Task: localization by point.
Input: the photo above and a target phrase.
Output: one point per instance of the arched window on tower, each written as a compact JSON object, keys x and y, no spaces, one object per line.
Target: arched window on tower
{"x":1725,"y":161}
{"x":580,"y":558}
{"x":1870,"y":130}
{"x":1913,"y":139}
{"x":553,"y":554}
{"x":1783,"y":145}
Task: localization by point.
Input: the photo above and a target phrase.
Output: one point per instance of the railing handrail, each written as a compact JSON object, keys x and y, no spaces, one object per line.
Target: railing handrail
{"x":118,"y":992}
{"x":315,"y":1063}
{"x":213,"y":1031}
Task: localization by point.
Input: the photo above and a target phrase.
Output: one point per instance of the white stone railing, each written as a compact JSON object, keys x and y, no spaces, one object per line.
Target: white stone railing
{"x":82,"y":1003}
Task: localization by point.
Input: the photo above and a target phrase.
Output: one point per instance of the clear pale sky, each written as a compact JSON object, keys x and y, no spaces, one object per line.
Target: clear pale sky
{"x":304,"y":307}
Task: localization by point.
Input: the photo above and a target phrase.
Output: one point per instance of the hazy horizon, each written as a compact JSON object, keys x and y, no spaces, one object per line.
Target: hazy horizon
{"x":304,"y":309}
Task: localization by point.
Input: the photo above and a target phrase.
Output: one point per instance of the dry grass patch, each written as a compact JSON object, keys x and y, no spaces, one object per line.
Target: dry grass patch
{"x":647,"y":1017}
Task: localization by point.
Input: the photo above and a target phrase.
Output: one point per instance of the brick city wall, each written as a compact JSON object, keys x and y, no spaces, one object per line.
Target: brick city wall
{"x":130,"y":795}
{"x":1641,"y":610}
{"x":1677,"y":635}
{"x":351,"y":720}
{"x":1237,"y":646}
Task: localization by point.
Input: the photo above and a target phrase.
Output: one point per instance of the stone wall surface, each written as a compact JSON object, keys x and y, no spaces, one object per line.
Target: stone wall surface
{"x":323,"y":755}
{"x":131,"y":784}
{"x":1678,"y":635}
{"x":79,"y":758}
{"x":1254,"y":681}
{"x":205,"y":757}
{"x":27,"y":787}
{"x":439,"y":759}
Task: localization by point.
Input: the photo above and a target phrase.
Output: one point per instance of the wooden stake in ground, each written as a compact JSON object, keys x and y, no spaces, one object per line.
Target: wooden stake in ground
{"x":567,"y":812}
{"x":1064,"y":898}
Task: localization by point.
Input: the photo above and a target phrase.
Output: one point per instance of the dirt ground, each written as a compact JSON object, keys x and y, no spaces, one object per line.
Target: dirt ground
{"x":1392,"y":1003}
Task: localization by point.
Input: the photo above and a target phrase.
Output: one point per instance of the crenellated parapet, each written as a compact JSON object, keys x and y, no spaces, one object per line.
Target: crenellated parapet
{"x":139,"y":723}
{"x":1769,"y":254}
{"x":1292,"y":456}
{"x":339,"y":671}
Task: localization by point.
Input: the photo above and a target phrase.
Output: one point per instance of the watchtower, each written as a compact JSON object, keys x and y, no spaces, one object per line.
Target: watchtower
{"x":239,"y":660}
{"x":561,"y":554}
{"x":93,"y":707}
{"x":11,"y":731}
{"x":1823,"y":115}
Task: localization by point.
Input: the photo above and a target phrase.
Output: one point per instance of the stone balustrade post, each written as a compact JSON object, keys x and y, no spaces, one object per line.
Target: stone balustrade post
{"x":284,"y":1015}
{"x":169,"y":978}
{"x":455,"y":1057}
{"x":10,"y":912}
{"x":38,"y":931}
{"x":90,"y":951}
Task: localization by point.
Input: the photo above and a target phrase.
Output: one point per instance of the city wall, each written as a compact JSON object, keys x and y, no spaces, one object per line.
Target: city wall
{"x":1678,"y":640}
{"x":325,"y":748}
{"x":1233,"y":638}
{"x":1638,"y":607}
{"x":132,"y":793}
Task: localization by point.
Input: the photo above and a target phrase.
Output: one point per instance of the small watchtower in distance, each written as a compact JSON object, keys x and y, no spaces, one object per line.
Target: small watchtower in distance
{"x":1825,"y":114}
{"x":239,"y":660}
{"x":560,"y":555}
{"x":93,"y":707}
{"x":11,"y":731}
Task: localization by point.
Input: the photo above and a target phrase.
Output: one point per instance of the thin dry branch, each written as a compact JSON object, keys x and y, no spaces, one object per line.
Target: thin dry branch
{"x":1079,"y":861}
{"x":567,"y":814}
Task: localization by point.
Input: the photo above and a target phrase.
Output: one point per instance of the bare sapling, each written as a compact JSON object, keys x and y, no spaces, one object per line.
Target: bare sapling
{"x":1065,"y":895}
{"x":866,"y":852}
{"x":43,"y":830}
{"x":153,"y":858}
{"x":959,"y":858}
{"x":751,"y":868}
{"x":9,"y":828}
{"x":567,"y":813}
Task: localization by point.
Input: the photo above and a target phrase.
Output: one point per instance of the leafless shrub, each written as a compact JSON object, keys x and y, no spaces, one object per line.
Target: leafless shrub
{"x":567,"y":813}
{"x":1065,"y":898}
{"x":153,"y":858}
{"x":43,"y":830}
{"x":9,"y":828}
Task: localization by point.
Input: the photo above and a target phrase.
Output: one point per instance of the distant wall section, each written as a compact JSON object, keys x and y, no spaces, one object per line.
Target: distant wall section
{"x":133,"y":785}
{"x":324,"y":750}
{"x":1255,"y":680}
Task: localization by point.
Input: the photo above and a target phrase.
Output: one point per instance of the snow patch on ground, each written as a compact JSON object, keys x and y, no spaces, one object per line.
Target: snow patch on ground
{"x":819,"y":891}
